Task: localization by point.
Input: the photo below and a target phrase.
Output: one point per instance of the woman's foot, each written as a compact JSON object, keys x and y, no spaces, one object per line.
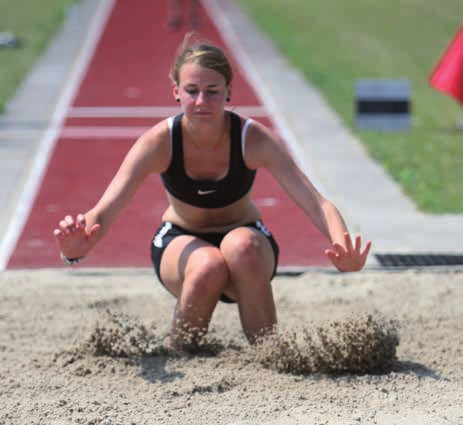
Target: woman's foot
{"x":195,"y":21}
{"x":186,"y":342}
{"x":174,"y":23}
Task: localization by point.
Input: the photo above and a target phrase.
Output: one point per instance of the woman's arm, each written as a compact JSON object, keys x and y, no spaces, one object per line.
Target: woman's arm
{"x":264,"y":149}
{"x":150,"y":154}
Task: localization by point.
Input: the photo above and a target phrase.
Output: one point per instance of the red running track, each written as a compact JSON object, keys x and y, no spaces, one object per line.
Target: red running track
{"x":125,"y":90}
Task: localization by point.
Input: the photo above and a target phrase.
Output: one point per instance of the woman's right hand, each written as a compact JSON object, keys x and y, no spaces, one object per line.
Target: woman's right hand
{"x":72,"y":237}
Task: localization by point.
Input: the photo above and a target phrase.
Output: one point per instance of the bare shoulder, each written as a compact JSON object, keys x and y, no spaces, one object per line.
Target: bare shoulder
{"x":157,"y":136}
{"x":261,"y":145}
{"x":153,"y":147}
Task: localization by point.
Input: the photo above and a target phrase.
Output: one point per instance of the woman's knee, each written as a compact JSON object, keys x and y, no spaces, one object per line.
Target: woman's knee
{"x":206,"y":273}
{"x":246,"y":248}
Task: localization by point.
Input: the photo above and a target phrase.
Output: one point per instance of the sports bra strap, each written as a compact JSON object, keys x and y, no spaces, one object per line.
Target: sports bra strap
{"x":246,"y":125}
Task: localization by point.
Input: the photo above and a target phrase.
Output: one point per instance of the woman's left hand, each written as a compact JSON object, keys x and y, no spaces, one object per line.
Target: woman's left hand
{"x":349,"y":258}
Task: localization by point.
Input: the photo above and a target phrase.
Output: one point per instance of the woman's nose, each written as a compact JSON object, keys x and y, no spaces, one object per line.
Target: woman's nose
{"x":201,"y":98}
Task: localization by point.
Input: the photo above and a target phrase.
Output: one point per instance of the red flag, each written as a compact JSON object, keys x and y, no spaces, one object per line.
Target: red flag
{"x":447,"y":75}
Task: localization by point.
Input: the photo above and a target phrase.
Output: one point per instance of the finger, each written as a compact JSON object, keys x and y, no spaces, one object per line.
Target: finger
{"x":366,"y":250}
{"x":358,"y":244}
{"x":68,"y":224}
{"x":348,"y":240}
{"x":340,"y":250}
{"x":81,"y":223}
{"x":58,"y":234}
{"x":333,"y":257}
{"x":94,"y":230}
{"x":64,"y":226}
{"x":71,"y":223}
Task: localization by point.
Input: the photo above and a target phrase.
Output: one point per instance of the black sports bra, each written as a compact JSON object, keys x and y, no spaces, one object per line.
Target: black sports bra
{"x":209,"y":193}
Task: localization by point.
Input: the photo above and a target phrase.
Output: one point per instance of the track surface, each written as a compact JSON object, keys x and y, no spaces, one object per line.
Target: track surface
{"x":124,"y":91}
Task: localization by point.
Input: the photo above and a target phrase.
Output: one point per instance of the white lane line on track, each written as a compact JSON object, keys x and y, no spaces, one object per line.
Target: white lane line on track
{"x":150,"y":111}
{"x":90,"y":133}
{"x":48,"y":140}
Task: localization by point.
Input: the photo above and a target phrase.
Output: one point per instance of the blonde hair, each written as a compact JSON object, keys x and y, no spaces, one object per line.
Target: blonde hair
{"x":202,"y":52}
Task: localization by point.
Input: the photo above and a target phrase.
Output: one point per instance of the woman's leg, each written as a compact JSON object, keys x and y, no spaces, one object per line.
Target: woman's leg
{"x":174,"y":19}
{"x":197,"y":274}
{"x":194,"y":14}
{"x":251,"y":261}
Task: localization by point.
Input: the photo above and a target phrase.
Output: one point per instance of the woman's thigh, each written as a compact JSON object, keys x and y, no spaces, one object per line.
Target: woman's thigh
{"x":185,"y":255}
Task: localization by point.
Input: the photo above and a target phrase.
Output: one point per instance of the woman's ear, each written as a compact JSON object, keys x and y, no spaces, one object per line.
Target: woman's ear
{"x":229,"y":92}
{"x":175,"y":92}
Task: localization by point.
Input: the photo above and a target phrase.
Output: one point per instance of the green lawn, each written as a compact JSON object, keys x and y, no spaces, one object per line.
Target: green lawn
{"x":335,"y":42}
{"x":35,"y":22}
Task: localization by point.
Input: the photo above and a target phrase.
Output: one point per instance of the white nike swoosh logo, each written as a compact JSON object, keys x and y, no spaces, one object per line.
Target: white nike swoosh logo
{"x":206,"y":192}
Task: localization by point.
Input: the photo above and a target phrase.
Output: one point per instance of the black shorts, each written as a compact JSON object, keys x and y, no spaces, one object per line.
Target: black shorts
{"x":168,"y":231}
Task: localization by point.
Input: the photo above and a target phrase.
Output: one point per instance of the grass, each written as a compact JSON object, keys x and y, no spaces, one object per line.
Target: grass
{"x":35,"y":22}
{"x":334,"y":43}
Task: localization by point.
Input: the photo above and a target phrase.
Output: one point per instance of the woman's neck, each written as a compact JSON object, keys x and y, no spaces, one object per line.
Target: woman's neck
{"x":206,"y":136}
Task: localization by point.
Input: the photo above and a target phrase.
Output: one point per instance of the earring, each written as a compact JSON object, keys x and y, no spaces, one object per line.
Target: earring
{"x":178,"y":100}
{"x":228,"y":99}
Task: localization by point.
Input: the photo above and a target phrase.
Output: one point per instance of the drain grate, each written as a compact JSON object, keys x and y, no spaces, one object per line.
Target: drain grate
{"x":419,"y":260}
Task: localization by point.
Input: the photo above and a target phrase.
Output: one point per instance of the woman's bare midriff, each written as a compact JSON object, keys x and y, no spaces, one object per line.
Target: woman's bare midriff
{"x":207,"y":220}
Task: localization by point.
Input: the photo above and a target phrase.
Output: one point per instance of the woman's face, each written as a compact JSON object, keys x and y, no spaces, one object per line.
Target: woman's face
{"x":202,"y":92}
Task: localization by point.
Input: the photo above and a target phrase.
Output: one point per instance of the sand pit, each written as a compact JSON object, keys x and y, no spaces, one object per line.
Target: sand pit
{"x":87,"y":347}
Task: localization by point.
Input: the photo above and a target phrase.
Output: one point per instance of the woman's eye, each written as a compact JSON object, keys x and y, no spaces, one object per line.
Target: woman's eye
{"x":195,"y":92}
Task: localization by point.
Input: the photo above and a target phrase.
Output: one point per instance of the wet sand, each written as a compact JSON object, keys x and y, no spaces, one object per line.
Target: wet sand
{"x":87,"y":347}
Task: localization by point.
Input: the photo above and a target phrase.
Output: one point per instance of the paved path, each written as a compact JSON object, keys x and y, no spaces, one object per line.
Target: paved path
{"x":329,"y":153}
